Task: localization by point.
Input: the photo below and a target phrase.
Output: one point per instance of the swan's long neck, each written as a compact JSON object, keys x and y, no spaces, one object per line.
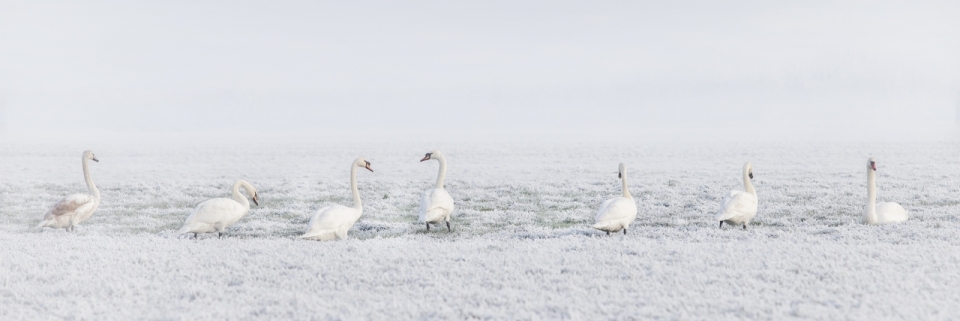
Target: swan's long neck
{"x":747,"y":185}
{"x":443,"y":171}
{"x":870,"y":216}
{"x":623,"y":182}
{"x":239,"y":197}
{"x":353,"y":185}
{"x":86,"y":176}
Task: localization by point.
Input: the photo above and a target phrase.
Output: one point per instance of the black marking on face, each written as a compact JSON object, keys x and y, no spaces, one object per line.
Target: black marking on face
{"x":619,"y":175}
{"x":751,"y":175}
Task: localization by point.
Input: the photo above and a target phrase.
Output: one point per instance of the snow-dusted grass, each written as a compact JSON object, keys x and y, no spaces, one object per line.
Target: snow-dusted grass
{"x":521,"y":245}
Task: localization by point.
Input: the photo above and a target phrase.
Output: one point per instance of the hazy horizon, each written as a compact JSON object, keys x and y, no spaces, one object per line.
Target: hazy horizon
{"x":498,"y":70}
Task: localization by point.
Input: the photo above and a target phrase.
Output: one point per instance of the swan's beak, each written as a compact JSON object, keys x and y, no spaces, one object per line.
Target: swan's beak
{"x":874,"y":166}
{"x":95,"y":159}
{"x":256,"y":201}
{"x":425,"y":158}
{"x":367,"y":166}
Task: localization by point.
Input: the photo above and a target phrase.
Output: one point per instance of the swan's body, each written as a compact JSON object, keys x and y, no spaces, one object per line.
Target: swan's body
{"x":74,"y":208}
{"x":740,"y":206}
{"x":880,"y":213}
{"x":436,"y":204}
{"x":215,"y":215}
{"x":617,"y":213}
{"x":333,"y":222}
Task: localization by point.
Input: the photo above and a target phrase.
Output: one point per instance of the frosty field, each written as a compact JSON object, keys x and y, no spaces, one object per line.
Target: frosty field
{"x":521,"y":248}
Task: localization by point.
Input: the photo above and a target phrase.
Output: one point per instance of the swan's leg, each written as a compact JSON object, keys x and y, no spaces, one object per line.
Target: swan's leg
{"x":624,"y":231}
{"x":219,"y":235}
{"x":608,"y":232}
{"x":428,"y":226}
{"x":721,"y":224}
{"x":744,"y":226}
{"x":448,"y":227}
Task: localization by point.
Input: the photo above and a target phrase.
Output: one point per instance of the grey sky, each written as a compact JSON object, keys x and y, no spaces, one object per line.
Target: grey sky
{"x":472,"y":68}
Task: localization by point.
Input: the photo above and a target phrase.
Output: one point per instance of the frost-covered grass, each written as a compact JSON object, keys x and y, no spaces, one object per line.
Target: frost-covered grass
{"x":521,"y":245}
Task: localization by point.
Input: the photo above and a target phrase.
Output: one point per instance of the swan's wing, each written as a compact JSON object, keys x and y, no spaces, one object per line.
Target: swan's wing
{"x":890,"y":212}
{"x":331,"y":217}
{"x":736,"y":204}
{"x":437,"y":198}
{"x":214,"y":210}
{"x":70,"y":205}
{"x":616,"y":208}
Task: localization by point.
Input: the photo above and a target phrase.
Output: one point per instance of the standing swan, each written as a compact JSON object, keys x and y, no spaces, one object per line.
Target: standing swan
{"x":74,"y":208}
{"x":436,"y":204}
{"x":617,"y":213}
{"x":214,"y":215}
{"x":740,"y":207}
{"x":333,"y":222}
{"x":878,"y":213}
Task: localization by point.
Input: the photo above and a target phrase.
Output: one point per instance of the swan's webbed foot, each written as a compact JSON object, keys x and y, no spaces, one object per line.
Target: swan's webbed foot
{"x":721,"y":224}
{"x":448,"y":227}
{"x":428,"y":226}
{"x":744,"y":226}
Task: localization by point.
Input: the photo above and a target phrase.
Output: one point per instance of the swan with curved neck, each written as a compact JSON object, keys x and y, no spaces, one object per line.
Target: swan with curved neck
{"x":75,"y":208}
{"x":436,"y":204}
{"x":740,"y":206}
{"x":215,"y":215}
{"x":617,"y":213}
{"x":879,"y":213}
{"x":333,"y":222}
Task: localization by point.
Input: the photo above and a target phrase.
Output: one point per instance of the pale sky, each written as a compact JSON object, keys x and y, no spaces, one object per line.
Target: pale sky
{"x":472,"y":69}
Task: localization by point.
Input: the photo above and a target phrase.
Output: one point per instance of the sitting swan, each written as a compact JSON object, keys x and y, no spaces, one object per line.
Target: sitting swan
{"x":878,"y":213}
{"x":436,"y":204}
{"x":333,"y":222}
{"x":214,"y":215}
{"x":74,"y":208}
{"x":617,"y":213}
{"x":740,"y":206}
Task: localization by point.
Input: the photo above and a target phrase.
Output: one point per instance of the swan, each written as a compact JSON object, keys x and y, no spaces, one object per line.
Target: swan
{"x":333,"y":222}
{"x":617,"y":213}
{"x":740,"y":206}
{"x":436,"y":204}
{"x":74,"y":208}
{"x":878,"y":213}
{"x":214,"y":215}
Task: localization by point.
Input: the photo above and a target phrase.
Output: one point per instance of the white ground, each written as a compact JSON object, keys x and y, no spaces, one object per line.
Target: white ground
{"x":521,"y":249}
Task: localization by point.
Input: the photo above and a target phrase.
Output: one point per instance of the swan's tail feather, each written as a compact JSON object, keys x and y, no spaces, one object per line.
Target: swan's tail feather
{"x":45,"y":223}
{"x":604,"y":226}
{"x":322,"y":235}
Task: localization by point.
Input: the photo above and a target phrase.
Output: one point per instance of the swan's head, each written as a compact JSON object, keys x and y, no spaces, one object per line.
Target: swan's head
{"x":622,"y":171}
{"x":872,"y":164}
{"x":748,"y":168}
{"x":360,"y":162}
{"x":252,"y":191}
{"x":431,"y":155}
{"x":89,"y":155}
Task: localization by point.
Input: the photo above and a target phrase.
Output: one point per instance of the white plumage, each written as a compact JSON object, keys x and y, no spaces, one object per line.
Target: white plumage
{"x":740,"y":206}
{"x":74,"y":208}
{"x":333,"y":222}
{"x":880,"y":213}
{"x":436,"y":205}
{"x":617,"y":213}
{"x":215,"y":215}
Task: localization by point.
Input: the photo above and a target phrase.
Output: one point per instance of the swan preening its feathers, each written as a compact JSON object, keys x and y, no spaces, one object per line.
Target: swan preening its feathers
{"x":215,"y":215}
{"x":436,"y":204}
{"x":333,"y":222}
{"x":617,"y":213}
{"x":878,"y":213}
{"x":74,"y":208}
{"x":740,"y":206}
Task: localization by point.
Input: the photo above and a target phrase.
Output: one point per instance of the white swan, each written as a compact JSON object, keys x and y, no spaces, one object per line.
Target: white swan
{"x":333,"y":222}
{"x":215,"y":215}
{"x":878,"y":213}
{"x":436,"y":204}
{"x":617,"y":213}
{"x":74,"y":208}
{"x":740,"y":206}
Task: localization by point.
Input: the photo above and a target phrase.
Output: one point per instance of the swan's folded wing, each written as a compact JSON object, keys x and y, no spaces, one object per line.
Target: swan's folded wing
{"x":616,"y":208}
{"x":212,"y":210}
{"x":328,"y":218}
{"x":438,"y":198}
{"x":737,"y":203}
{"x":69,"y":205}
